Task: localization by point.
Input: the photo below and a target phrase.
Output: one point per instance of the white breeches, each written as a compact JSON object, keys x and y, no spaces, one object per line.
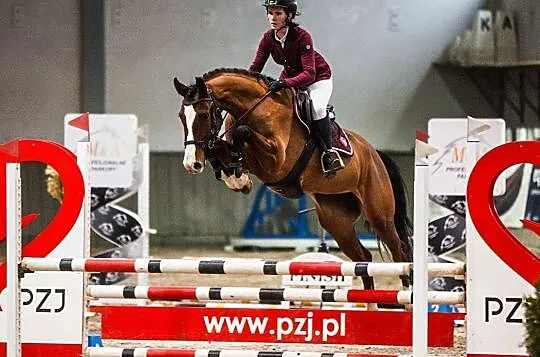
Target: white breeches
{"x":320,"y":93}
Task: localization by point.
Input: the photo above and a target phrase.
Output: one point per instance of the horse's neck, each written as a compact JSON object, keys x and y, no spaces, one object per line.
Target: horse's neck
{"x":238,"y":95}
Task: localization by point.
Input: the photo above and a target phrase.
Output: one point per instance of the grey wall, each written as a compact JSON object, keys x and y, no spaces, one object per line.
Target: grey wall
{"x":39,"y":67}
{"x":385,"y":85}
{"x":528,"y":23}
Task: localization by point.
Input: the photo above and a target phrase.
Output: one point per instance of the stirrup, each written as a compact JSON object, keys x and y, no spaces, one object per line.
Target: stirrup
{"x":335,"y":163}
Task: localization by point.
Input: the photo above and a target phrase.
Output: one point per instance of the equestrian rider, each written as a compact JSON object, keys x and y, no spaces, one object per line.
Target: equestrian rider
{"x":292,"y":47}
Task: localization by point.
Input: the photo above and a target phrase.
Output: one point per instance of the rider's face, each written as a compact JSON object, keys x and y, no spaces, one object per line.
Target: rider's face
{"x":277,"y":17}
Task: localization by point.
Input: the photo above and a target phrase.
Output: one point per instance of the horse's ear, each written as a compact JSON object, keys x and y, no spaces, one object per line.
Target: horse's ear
{"x":201,"y":86}
{"x":180,"y":88}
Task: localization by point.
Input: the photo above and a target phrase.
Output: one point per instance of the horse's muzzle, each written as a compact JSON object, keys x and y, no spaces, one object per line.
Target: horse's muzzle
{"x":193,"y":163}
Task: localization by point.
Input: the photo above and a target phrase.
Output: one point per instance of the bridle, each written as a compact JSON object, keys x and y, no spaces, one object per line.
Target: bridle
{"x":210,"y":143}
{"x":216,"y":120}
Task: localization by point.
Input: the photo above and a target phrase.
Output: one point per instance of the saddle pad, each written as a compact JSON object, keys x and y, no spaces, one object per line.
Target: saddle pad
{"x":340,"y":141}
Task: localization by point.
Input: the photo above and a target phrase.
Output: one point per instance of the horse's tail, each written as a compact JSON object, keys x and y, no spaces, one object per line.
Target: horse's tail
{"x":402,"y":222}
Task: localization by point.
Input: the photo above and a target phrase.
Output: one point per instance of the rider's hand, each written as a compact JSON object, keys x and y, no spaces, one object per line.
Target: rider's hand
{"x":276,"y":86}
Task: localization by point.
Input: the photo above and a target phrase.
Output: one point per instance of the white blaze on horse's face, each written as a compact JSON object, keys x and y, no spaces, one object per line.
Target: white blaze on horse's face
{"x":191,"y":163}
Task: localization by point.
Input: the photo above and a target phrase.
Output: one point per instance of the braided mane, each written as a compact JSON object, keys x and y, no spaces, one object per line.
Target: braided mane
{"x":255,"y":75}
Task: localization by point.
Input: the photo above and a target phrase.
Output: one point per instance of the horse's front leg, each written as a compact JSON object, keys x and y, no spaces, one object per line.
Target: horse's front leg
{"x":239,"y":137}
{"x":238,"y":183}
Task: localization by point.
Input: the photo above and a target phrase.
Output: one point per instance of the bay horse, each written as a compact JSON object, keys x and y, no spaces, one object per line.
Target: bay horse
{"x":272,"y":139}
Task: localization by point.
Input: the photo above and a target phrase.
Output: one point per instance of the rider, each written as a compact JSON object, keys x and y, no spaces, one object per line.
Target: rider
{"x":292,"y":47}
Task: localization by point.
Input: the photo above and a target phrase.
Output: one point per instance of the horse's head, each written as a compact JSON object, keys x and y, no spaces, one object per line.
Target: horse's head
{"x":201,"y":120}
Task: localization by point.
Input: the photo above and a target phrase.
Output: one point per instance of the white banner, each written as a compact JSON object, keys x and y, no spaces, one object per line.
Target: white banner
{"x":113,"y":139}
{"x":449,"y":166}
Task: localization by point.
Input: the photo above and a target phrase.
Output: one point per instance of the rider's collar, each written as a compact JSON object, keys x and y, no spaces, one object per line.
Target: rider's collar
{"x":282,"y":40}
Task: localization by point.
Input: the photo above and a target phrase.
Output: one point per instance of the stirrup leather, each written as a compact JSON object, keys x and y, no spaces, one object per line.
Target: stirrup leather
{"x":335,"y":162}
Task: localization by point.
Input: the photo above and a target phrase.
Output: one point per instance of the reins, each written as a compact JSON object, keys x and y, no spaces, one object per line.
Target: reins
{"x":202,"y":143}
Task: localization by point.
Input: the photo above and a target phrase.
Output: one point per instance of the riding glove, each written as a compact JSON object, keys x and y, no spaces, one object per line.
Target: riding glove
{"x":276,"y":86}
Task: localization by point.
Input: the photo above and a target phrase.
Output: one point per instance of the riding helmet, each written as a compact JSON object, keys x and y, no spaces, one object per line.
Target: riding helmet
{"x":289,"y":5}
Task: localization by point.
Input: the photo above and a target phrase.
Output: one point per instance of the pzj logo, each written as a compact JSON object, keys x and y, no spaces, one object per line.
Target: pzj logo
{"x":494,"y":306}
{"x":47,"y":300}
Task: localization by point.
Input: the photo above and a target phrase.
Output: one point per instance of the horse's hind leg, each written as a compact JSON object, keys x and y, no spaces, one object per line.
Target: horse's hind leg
{"x":337,"y":215}
{"x":386,"y":231}
{"x":378,"y":211}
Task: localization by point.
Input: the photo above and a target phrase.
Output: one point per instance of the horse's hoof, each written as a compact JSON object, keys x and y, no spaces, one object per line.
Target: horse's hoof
{"x":247,"y":188}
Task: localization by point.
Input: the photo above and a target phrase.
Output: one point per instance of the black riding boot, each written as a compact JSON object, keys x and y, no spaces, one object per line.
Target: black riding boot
{"x":330,"y":158}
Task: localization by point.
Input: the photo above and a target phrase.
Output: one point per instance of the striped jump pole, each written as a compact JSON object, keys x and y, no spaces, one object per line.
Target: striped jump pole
{"x":178,"y":293}
{"x":256,"y":267}
{"x":155,"y":352}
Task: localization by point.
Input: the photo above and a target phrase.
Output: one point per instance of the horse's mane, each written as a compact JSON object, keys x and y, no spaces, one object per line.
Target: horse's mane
{"x":255,"y":75}
{"x":266,"y":80}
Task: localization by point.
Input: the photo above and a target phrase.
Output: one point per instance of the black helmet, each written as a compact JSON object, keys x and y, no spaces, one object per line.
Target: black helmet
{"x":289,"y":5}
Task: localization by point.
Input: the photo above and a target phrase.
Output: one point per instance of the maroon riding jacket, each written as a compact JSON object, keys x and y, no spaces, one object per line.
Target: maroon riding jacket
{"x":302,"y":65}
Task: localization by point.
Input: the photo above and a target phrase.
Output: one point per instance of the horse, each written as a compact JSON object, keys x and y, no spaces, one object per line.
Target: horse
{"x":264,"y":128}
